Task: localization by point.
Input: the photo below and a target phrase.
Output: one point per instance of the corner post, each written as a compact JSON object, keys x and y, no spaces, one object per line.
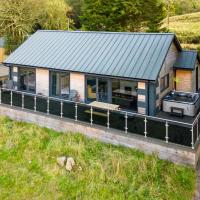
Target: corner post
{"x":192,"y":134}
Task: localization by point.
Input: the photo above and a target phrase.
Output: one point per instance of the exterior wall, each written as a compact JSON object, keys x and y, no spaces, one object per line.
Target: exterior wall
{"x":77,"y":82}
{"x":42,"y":81}
{"x":14,"y":77}
{"x":184,"y":80}
{"x":167,"y":68}
{"x":2,"y":51}
{"x":142,"y":92}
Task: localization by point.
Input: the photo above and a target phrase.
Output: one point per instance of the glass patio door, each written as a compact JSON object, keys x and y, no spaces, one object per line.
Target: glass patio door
{"x":102,"y":90}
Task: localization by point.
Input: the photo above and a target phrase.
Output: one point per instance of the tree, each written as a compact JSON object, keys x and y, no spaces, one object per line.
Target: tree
{"x":76,"y":11}
{"x":122,"y":15}
{"x":20,"y":18}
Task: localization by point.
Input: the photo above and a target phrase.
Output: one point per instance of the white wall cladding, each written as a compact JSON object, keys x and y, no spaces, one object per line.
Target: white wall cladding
{"x":167,"y":68}
{"x":42,"y":81}
{"x":77,"y":82}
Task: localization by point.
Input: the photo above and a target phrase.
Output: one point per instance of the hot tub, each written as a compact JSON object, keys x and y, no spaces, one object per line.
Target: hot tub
{"x":186,"y":102}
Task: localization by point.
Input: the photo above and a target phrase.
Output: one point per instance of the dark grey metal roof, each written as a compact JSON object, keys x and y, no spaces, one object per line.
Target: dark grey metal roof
{"x":186,"y":59}
{"x":130,"y":55}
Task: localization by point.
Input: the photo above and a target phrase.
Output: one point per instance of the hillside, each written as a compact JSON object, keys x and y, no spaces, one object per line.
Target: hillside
{"x":187,"y":28}
{"x":29,"y":170}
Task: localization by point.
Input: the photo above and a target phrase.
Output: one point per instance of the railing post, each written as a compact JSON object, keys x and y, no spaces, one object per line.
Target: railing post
{"x":76,"y":110}
{"x":126,"y":124}
{"x":22,"y":101}
{"x":192,"y":134}
{"x":91,"y":113}
{"x":47,"y":106}
{"x":61,"y":109}
{"x":166,"y":131}
{"x":11,"y":98}
{"x":108,"y":119}
{"x":0,"y":95}
{"x":35,"y":102}
{"x":145,"y":127}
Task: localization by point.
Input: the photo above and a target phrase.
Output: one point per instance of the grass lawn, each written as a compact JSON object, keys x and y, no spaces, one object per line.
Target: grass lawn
{"x":28,"y":168}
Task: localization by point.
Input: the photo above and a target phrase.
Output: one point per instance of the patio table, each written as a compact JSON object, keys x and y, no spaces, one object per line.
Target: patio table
{"x":106,"y":106}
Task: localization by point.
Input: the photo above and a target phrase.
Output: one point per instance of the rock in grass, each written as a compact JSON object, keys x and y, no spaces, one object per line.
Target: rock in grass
{"x":61,"y":161}
{"x":70,"y":164}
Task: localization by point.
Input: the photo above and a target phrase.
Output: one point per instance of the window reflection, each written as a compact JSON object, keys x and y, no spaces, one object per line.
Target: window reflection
{"x":124,"y":93}
{"x":60,"y":84}
{"x":27,"y":79}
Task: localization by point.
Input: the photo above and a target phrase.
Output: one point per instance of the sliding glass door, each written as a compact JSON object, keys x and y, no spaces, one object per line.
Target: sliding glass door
{"x":60,"y":84}
{"x":102,"y":90}
{"x":97,"y":89}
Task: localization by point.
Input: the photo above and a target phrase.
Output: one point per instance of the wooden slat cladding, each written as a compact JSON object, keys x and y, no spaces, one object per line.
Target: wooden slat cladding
{"x":184,"y":80}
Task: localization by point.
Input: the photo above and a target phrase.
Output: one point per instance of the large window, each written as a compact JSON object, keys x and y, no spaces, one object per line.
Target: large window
{"x":27,"y":79}
{"x":60,"y":84}
{"x":91,"y":89}
{"x":120,"y":92}
{"x":164,"y":82}
{"x":124,"y":93}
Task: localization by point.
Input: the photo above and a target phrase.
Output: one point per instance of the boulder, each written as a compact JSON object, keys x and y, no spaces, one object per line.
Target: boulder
{"x":61,"y":161}
{"x":70,"y":164}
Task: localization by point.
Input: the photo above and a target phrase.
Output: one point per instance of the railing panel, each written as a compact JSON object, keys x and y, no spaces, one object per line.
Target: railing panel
{"x":54,"y":107}
{"x":29,"y":102}
{"x":41,"y":104}
{"x":69,"y":110}
{"x":17,"y":99}
{"x":100,"y":117}
{"x":180,"y":135}
{"x":84,"y":113}
{"x":5,"y":96}
{"x":135,"y":124}
{"x":195,"y":132}
{"x":117,"y":120}
{"x":156,"y":129}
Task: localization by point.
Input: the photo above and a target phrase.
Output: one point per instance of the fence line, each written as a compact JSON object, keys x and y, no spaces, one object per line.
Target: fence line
{"x":129,"y":122}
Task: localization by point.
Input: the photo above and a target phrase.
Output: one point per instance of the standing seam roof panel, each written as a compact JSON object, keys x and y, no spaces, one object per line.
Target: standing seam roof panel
{"x":130,"y":55}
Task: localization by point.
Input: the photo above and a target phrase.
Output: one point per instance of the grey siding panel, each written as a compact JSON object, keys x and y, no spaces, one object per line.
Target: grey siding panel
{"x":152,"y":99}
{"x":129,"y":55}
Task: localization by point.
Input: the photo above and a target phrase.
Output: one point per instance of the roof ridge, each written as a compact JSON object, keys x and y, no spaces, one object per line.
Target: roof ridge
{"x":110,"y":32}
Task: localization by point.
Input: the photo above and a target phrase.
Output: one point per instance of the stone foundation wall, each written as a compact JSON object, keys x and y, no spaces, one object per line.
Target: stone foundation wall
{"x":175,"y":153}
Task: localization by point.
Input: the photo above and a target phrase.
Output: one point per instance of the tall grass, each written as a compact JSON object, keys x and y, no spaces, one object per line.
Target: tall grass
{"x":28,"y":168}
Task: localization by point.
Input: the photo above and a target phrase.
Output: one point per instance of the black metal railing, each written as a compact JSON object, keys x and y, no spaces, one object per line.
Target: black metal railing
{"x":159,"y":128}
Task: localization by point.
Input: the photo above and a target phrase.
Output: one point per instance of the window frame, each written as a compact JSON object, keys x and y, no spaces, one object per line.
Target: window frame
{"x":50,"y":82}
{"x":165,"y":80}
{"x":19,"y":84}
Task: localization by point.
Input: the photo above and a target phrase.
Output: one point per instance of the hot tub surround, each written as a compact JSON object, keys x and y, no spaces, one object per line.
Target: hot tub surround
{"x":188,"y":102}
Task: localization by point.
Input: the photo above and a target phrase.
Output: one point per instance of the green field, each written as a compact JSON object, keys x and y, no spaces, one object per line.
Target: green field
{"x":187,"y":28}
{"x":28,"y":168}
